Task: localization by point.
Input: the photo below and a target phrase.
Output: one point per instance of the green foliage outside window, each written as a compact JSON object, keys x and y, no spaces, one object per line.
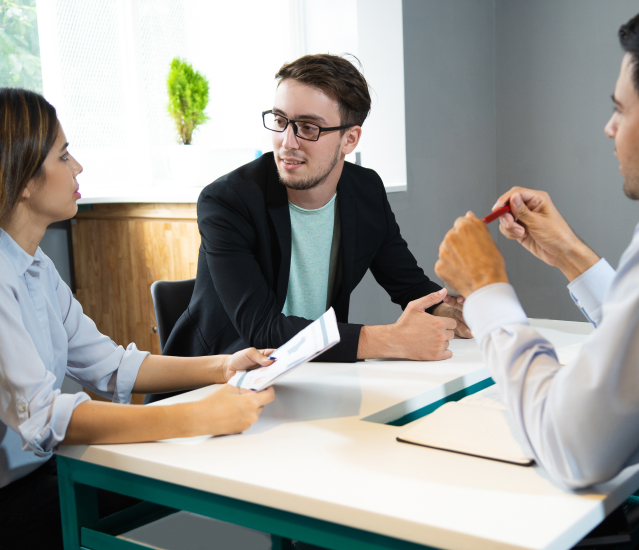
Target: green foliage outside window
{"x":19,"y":45}
{"x":188,"y":97}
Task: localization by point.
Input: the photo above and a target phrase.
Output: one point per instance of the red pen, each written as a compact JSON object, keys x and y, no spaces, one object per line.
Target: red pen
{"x":496,"y":214}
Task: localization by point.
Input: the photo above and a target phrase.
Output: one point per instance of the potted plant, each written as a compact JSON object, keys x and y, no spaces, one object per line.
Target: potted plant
{"x":188,"y":97}
{"x":188,"y":93}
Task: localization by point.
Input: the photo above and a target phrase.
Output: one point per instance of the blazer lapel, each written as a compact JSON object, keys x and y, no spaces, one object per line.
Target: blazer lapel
{"x":277,"y":205}
{"x":348,"y":216}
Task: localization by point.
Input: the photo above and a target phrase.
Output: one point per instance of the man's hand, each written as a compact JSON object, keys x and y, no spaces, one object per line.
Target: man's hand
{"x":246,"y":359}
{"x":421,"y":336}
{"x":416,"y":335}
{"x":453,"y":307}
{"x":538,"y":226}
{"x":469,"y":258}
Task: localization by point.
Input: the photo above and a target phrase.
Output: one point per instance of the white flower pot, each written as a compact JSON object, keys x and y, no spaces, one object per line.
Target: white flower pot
{"x":191,"y":165}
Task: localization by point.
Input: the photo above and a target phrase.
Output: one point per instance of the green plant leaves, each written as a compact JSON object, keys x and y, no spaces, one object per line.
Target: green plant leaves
{"x":19,"y":45}
{"x":188,"y":97}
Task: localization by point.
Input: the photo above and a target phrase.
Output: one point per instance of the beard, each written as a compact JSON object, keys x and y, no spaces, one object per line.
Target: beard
{"x":631,"y":186}
{"x":312,"y":180}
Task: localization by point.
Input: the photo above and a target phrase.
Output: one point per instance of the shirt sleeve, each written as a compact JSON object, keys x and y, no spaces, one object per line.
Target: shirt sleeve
{"x":588,"y":290}
{"x":581,"y":419}
{"x":94,"y":359}
{"x":29,"y":404}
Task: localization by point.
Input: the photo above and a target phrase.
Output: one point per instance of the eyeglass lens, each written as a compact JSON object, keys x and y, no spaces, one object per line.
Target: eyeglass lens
{"x":305,"y":130}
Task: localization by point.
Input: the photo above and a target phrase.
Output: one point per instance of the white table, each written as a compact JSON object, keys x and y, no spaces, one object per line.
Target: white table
{"x":322,"y":458}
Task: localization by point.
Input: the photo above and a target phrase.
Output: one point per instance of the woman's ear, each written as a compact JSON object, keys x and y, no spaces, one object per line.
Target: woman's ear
{"x":27,"y":191}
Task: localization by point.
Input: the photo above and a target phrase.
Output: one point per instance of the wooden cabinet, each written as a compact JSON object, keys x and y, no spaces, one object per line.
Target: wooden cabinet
{"x":118,"y":251}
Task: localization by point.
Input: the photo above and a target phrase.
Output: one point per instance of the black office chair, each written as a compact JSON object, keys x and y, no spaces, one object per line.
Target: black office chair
{"x":170,"y":300}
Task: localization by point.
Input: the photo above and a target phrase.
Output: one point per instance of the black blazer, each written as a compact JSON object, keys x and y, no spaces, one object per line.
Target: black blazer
{"x":244,"y":261}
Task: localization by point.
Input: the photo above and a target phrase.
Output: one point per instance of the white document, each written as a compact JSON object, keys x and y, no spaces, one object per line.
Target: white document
{"x":477,"y":425}
{"x":304,"y":346}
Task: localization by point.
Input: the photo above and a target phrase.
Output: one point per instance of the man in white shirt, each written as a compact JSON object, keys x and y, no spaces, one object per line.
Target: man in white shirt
{"x":582,"y":420}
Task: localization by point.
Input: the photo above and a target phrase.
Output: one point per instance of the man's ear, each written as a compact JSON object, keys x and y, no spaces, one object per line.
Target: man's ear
{"x":352,"y":137}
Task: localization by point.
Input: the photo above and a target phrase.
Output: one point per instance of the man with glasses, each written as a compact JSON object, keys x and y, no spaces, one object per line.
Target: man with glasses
{"x":292,"y":233}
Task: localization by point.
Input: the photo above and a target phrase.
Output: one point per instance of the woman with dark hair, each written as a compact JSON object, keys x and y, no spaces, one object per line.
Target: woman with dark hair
{"x":44,"y":336}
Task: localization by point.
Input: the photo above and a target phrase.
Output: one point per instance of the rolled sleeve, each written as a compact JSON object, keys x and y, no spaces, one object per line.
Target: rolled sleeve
{"x":112,"y":377}
{"x":589,"y":290}
{"x":95,"y":360}
{"x":46,"y":428}
{"x":128,"y":372}
{"x":492,"y":307}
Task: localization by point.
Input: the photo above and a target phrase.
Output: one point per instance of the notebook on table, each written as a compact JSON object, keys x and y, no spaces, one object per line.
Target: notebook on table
{"x":477,"y":425}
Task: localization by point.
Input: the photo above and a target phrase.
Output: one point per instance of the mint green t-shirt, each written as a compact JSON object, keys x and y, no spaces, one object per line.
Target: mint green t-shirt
{"x":314,"y":258}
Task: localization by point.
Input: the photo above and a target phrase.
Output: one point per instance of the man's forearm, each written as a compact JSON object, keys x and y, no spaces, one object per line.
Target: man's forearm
{"x":577,"y":260}
{"x":162,"y":373}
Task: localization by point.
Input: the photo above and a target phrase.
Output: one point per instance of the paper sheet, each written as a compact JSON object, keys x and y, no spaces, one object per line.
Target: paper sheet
{"x":304,"y":346}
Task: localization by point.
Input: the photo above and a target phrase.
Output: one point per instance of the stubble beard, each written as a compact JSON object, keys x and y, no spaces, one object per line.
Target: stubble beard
{"x":312,"y":181}
{"x":631,"y":186}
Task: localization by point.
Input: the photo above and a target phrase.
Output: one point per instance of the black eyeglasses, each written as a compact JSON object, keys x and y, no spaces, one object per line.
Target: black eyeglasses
{"x":302,"y":129}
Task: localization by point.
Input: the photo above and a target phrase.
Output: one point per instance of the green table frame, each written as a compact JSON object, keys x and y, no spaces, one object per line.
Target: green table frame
{"x":82,"y":528}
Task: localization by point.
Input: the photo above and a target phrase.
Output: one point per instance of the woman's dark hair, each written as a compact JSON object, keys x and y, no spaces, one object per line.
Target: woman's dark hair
{"x":629,"y":38}
{"x":338,"y":78}
{"x":28,"y":129}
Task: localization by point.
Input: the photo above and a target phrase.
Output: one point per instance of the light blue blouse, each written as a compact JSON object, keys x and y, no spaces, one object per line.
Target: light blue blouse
{"x":44,"y":335}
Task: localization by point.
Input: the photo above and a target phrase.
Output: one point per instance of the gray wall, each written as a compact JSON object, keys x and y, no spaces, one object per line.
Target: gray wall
{"x":557,"y":64}
{"x":449,"y":68}
{"x":510,"y":93}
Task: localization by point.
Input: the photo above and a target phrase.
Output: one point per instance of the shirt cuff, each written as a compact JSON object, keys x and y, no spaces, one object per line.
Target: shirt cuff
{"x":127,"y":373}
{"x":589,"y":289}
{"x":492,"y":307}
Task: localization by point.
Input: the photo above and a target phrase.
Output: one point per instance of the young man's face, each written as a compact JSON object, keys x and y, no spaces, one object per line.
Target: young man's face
{"x":305,"y":164}
{"x":623,"y":127}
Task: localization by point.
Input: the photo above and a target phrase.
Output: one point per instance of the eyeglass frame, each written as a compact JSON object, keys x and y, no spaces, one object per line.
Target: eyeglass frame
{"x":294,"y":123}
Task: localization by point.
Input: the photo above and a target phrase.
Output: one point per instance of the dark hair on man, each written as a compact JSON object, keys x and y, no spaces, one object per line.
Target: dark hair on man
{"x":28,"y":129}
{"x":629,"y":38}
{"x":338,"y":78}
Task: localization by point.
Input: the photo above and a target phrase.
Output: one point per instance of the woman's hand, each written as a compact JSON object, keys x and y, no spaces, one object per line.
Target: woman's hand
{"x":246,"y":359}
{"x":229,"y":410}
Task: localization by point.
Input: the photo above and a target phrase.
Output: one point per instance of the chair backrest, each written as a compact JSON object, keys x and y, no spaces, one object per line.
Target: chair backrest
{"x":170,"y":300}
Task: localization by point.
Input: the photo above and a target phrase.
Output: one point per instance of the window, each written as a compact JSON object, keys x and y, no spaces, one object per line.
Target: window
{"x":19,"y":45}
{"x":104,"y":65}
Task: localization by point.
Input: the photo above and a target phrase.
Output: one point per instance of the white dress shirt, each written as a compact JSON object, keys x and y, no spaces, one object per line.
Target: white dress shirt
{"x":44,"y":336}
{"x":582,"y":419}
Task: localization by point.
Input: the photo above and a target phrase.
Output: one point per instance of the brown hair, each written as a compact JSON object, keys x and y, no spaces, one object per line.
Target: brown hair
{"x":338,"y":78}
{"x":28,"y":129}
{"x":629,"y":39}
